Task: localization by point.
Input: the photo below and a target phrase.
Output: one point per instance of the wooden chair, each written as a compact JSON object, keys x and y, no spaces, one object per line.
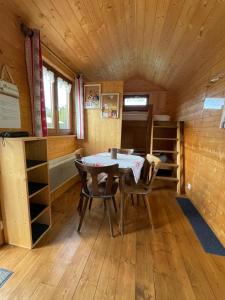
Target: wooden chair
{"x":79,"y":153}
{"x":123,"y":151}
{"x":105,"y":190}
{"x":144,"y":188}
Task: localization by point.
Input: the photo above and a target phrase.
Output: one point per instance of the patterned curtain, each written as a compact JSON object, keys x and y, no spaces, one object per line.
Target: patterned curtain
{"x":79,"y":105}
{"x":35,"y":80}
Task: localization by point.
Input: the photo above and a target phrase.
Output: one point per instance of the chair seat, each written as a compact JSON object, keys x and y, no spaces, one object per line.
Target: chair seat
{"x":101,"y":189}
{"x":139,"y":188}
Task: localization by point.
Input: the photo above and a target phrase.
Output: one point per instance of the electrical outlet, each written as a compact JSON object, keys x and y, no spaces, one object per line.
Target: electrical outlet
{"x":189,"y":186}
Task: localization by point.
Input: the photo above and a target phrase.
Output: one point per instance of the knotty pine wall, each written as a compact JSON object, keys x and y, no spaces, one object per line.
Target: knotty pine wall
{"x":12,"y":54}
{"x":204,"y":143}
{"x":101,"y":134}
{"x":157,"y":95}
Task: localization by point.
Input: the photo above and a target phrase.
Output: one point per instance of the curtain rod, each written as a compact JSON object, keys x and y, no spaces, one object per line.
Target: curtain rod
{"x":29,"y":32}
{"x":26,"y":30}
{"x":58,"y":58}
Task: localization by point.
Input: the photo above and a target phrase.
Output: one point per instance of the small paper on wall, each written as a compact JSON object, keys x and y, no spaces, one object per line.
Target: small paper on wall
{"x":9,"y":112}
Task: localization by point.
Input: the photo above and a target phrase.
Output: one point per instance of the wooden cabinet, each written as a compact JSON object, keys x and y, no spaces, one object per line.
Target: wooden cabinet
{"x":25,"y":197}
{"x":167,"y":143}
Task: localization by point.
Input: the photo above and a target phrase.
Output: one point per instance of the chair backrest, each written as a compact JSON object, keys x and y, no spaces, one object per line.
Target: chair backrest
{"x":123,"y":151}
{"x":94,"y":172}
{"x":154,"y":163}
{"x":79,"y":153}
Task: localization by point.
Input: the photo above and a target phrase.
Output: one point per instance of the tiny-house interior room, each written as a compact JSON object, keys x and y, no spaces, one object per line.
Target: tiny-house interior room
{"x":112,"y":149}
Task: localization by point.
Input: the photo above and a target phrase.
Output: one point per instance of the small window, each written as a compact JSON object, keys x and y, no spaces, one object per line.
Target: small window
{"x":58,"y":102}
{"x":136,"y":102}
{"x":214,"y":103}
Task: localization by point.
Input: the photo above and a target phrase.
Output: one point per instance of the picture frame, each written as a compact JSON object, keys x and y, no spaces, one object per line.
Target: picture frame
{"x":92,"y":94}
{"x":110,"y":105}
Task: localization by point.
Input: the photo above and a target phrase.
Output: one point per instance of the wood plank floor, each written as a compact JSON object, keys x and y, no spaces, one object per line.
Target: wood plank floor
{"x":168,"y":263}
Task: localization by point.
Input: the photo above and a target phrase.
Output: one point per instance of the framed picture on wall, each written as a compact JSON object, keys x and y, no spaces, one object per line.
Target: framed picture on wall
{"x":92,"y":94}
{"x":110,"y":105}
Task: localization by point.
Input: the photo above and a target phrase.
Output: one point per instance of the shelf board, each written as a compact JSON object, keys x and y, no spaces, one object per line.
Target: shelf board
{"x":164,"y":126}
{"x":32,"y":164}
{"x":36,"y":210}
{"x":164,"y":151}
{"x":35,"y":187}
{"x":167,"y":165}
{"x":165,"y":139}
{"x":38,"y":230}
{"x":167,"y":178}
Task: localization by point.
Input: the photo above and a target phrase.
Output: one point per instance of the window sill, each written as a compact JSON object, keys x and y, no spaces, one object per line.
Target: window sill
{"x":61,"y":136}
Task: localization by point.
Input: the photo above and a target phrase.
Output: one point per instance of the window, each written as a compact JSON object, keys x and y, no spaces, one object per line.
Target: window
{"x":49,"y":96}
{"x":64,"y":89}
{"x":58,"y":102}
{"x":214,"y":103}
{"x":136,"y":102}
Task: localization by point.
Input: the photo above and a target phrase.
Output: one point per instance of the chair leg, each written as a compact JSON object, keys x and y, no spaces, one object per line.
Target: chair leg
{"x":132,"y":199}
{"x":82,"y":214}
{"x":108,"y":208}
{"x":149,"y":211}
{"x":137,"y":200}
{"x":114,"y":204}
{"x":104,"y":205}
{"x":143,"y":196}
{"x":90,"y":203}
{"x":80,"y":204}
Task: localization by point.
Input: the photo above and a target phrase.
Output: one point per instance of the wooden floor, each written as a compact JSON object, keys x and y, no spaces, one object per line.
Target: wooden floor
{"x":168,"y":263}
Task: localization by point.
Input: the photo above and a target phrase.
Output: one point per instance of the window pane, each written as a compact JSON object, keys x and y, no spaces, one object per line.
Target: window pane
{"x":135,"y":101}
{"x":48,"y":77}
{"x":64,"y":89}
{"x":214,"y":103}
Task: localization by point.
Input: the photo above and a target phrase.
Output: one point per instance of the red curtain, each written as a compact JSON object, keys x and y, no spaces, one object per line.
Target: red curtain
{"x":35,"y":80}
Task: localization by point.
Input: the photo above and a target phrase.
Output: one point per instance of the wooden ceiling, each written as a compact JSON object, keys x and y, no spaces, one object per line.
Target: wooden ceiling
{"x":164,"y":41}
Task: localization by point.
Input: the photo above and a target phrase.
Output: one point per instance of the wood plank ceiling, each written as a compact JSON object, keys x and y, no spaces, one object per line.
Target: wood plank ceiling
{"x":164,"y":41}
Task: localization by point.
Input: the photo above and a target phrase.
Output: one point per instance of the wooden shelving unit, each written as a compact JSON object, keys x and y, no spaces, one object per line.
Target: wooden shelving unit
{"x":25,"y":195}
{"x":167,"y":144}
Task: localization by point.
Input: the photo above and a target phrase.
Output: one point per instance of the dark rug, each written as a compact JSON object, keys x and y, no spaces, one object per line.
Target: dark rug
{"x":207,"y":238}
{"x":4,"y":276}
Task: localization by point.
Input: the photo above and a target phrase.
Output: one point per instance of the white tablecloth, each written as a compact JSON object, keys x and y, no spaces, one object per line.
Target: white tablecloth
{"x":134,"y":162}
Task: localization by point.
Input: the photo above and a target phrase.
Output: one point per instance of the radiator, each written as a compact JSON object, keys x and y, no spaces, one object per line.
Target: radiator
{"x":61,"y":170}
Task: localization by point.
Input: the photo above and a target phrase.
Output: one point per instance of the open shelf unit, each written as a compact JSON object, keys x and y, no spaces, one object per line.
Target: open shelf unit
{"x":25,"y":201}
{"x":167,"y":144}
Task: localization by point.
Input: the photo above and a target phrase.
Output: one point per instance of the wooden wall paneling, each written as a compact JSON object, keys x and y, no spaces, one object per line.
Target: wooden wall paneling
{"x":54,"y":61}
{"x":209,"y":34}
{"x":108,"y":12}
{"x":124,"y":16}
{"x":157,"y":95}
{"x":12,"y":54}
{"x":50,"y":36}
{"x":164,"y":41}
{"x":185,"y":16}
{"x":101,"y":133}
{"x":150,"y":13}
{"x":61,"y":145}
{"x":204,"y":142}
{"x":172,"y":14}
{"x":160,"y":16}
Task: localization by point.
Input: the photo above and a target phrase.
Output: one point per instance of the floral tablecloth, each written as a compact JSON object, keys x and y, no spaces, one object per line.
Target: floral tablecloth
{"x":134,"y":162}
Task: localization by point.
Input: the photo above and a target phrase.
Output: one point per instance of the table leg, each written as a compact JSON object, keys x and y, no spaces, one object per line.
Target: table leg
{"x":121,"y":212}
{"x":122,"y":199}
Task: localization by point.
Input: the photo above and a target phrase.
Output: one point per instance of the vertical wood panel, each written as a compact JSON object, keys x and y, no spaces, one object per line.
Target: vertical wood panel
{"x":204,"y":144}
{"x":101,"y":134}
{"x":157,"y":95}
